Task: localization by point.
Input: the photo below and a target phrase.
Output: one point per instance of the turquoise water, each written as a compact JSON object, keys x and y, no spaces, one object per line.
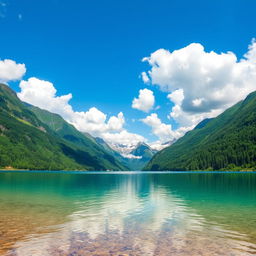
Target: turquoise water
{"x":43,"y":213}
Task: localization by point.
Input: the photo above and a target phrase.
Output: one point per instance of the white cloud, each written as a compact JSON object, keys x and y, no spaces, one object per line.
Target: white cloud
{"x":162,"y":131}
{"x":176,"y":96}
{"x":187,"y":120}
{"x":116,"y":123}
{"x":145,"y":77}
{"x":251,"y":54}
{"x":159,"y":129}
{"x":10,"y":70}
{"x":202,"y":84}
{"x":145,"y":101}
{"x":43,"y":95}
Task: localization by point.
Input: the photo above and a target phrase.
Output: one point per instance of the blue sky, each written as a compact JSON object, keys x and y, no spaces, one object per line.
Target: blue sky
{"x":93,"y":49}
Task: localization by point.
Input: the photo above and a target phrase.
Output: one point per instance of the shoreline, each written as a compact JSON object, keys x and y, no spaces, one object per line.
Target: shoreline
{"x":124,"y":172}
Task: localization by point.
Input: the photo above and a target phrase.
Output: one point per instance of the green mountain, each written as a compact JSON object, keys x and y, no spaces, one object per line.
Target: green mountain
{"x":143,"y":150}
{"x":225,"y":142}
{"x":31,"y":138}
{"x":144,"y":154}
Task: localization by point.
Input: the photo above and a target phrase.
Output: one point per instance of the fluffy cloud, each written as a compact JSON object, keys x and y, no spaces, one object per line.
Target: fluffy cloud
{"x":251,"y":54}
{"x":201,"y":84}
{"x":145,"y":101}
{"x":145,"y":77}
{"x":43,"y":95}
{"x":10,"y":70}
{"x":187,"y":120}
{"x":159,"y":129}
{"x":163,"y":131}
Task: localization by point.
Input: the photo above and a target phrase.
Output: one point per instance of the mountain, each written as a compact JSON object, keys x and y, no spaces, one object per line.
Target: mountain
{"x":134,"y":158}
{"x":144,"y":151}
{"x":225,"y":142}
{"x":116,"y":154}
{"x":105,"y":145}
{"x":139,"y":156}
{"x":122,"y":149}
{"x":84,"y":141}
{"x":32,"y":138}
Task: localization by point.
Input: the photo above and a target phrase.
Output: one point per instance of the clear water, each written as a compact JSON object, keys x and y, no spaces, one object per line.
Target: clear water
{"x":44,"y":213}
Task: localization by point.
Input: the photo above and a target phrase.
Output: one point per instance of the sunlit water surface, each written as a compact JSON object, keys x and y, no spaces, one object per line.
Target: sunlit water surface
{"x":44,"y":213}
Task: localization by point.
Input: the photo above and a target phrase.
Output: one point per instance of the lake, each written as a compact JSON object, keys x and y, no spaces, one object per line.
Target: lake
{"x":60,"y":213}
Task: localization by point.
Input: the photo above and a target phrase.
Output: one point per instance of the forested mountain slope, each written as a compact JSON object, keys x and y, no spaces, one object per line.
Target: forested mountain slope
{"x":28,"y":141}
{"x":226,"y":141}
